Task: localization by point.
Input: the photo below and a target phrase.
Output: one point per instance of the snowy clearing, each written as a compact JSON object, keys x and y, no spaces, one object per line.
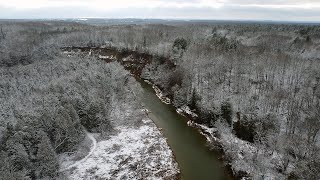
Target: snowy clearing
{"x":134,"y":153}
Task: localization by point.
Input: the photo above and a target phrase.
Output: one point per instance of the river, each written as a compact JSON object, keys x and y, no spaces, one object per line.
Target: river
{"x":195,"y":160}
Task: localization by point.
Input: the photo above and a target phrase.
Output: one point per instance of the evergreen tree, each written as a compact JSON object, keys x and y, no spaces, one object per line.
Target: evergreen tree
{"x":47,"y":165}
{"x":308,"y":39}
{"x":7,"y":171}
{"x":226,"y":110}
{"x":244,"y":129}
{"x":180,"y":44}
{"x":194,"y":99}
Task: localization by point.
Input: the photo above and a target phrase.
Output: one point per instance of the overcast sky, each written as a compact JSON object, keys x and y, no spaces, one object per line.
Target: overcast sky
{"x":289,"y":10}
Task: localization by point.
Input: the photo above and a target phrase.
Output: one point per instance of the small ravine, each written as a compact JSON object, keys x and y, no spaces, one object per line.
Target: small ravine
{"x":195,"y":160}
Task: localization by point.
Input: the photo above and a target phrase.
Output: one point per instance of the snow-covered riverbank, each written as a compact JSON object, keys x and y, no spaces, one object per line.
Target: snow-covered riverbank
{"x":133,"y":153}
{"x":245,"y":159}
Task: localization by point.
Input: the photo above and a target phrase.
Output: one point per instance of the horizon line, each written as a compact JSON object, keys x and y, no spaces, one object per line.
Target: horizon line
{"x":165,"y":19}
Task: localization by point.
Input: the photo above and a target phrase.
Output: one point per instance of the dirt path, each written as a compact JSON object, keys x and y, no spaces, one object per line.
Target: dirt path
{"x":93,"y":148}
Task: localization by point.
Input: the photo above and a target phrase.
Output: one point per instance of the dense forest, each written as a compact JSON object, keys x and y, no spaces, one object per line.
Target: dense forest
{"x":257,"y":85}
{"x":49,"y":101}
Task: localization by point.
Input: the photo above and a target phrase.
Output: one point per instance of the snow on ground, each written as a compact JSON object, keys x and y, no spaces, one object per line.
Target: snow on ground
{"x":259,"y":162}
{"x":134,"y":153}
{"x":160,"y":95}
{"x":245,"y":157}
{"x":111,"y":57}
{"x":186,"y":110}
{"x":66,"y":165}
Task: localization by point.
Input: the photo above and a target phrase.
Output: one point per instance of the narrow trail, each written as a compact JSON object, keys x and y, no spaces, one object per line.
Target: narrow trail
{"x":93,"y":148}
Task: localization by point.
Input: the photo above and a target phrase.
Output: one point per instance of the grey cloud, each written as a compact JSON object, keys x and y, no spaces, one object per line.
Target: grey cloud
{"x":54,"y":12}
{"x":228,"y":11}
{"x":273,"y":2}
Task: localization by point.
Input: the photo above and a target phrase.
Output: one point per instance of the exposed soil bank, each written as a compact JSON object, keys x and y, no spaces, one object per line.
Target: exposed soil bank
{"x":132,"y":61}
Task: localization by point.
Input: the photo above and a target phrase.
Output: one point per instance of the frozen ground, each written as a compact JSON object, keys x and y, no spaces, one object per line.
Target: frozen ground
{"x":133,"y":153}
